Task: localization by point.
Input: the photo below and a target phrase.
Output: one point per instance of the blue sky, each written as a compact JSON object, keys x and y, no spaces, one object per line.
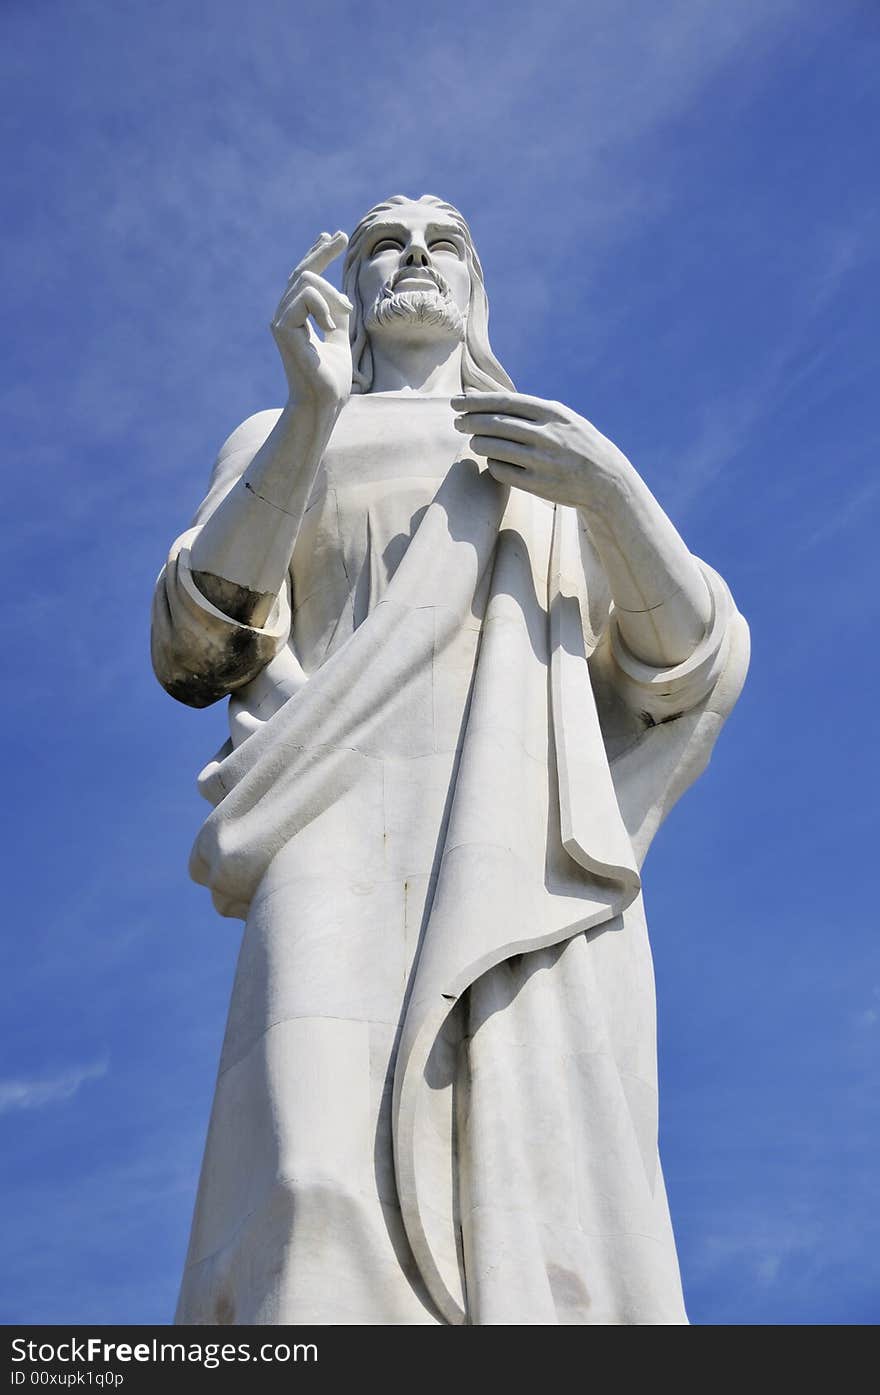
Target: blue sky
{"x":679,"y":226}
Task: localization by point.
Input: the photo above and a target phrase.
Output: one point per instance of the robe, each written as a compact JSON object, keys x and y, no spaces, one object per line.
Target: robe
{"x":437,"y":1094}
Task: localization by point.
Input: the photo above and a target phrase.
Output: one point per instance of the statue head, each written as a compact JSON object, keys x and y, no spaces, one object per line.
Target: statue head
{"x":417,"y":262}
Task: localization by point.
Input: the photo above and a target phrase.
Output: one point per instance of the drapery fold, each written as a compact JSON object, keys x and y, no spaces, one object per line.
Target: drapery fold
{"x":549,"y":811}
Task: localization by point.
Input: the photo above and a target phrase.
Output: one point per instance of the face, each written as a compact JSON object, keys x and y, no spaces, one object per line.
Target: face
{"x":413,"y":274}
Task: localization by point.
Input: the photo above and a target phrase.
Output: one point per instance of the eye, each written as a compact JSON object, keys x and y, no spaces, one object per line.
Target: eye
{"x":443,"y":244}
{"x":387,"y":244}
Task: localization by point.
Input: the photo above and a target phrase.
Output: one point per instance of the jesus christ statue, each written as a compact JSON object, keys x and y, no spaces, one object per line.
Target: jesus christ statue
{"x":470,"y":665}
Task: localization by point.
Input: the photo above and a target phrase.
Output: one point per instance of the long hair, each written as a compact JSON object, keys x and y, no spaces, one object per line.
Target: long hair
{"x":480,"y":368}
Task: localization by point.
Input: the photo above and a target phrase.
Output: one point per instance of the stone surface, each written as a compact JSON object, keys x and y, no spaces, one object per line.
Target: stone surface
{"x":471,"y":665}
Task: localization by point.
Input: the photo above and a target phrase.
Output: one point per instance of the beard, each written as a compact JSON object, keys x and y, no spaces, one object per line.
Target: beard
{"x":401,"y":310}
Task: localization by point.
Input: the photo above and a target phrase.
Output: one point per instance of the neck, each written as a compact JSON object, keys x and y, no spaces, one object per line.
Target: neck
{"x":432,"y":367}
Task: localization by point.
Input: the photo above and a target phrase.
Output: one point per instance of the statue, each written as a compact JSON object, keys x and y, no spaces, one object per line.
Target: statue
{"x":470,"y":666}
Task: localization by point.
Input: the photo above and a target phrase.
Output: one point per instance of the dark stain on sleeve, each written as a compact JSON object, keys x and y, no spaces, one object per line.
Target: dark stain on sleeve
{"x":236,"y":663}
{"x":650,"y":721}
{"x":238,"y":602}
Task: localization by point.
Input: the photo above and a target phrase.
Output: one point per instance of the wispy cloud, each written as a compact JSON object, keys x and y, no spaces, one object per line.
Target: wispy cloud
{"x":761,"y":1249}
{"x":229,"y":193}
{"x":868,"y":1017}
{"x":40,"y":1092}
{"x":783,"y":376}
{"x":854,"y":505}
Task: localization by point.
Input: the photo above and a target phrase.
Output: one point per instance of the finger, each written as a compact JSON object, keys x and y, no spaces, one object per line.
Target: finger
{"x":340,"y":305}
{"x":514,"y":475}
{"x":294,"y":295}
{"x":292,"y":311}
{"x":308,"y":302}
{"x":505,"y":473}
{"x":512,"y":452}
{"x":494,"y":424}
{"x":321,"y":253}
{"x":315,"y":286}
{"x":515,"y":404}
{"x":305,"y":261}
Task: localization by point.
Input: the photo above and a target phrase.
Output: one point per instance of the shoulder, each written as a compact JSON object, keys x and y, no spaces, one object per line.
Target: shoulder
{"x":236,"y":453}
{"x":251,"y":434}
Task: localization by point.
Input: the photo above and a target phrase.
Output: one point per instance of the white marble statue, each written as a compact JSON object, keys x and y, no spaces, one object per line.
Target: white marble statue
{"x":470,"y":665}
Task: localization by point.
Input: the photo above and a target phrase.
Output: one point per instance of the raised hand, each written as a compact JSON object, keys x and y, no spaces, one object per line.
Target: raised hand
{"x":540,"y":446}
{"x":318,"y":370}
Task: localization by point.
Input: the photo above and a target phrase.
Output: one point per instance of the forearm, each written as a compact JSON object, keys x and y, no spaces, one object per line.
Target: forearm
{"x":661,"y":600}
{"x":241,"y":554}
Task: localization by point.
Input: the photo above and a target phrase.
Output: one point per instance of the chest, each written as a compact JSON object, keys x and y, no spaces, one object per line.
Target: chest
{"x":385,"y":461}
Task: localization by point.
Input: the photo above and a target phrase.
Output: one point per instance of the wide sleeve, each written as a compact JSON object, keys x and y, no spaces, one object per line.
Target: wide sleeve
{"x":659,"y":694}
{"x":199,"y":653}
{"x":658,"y":725}
{"x":661,"y":724}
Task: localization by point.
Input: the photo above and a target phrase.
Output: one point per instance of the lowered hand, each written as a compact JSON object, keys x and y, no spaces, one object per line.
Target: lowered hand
{"x":541,"y":446}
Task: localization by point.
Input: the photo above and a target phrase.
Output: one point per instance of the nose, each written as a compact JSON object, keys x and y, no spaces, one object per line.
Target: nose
{"x":417,"y":255}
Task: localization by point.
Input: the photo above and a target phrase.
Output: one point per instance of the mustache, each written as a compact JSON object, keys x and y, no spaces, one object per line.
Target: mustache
{"x":426,"y":272}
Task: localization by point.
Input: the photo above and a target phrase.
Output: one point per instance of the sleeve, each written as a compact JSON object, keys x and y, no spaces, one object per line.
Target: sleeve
{"x":656,"y":727}
{"x":661,"y":725}
{"x":199,"y":653}
{"x":661,"y":694}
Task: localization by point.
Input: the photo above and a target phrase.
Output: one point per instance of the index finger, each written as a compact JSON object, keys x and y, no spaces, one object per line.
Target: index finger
{"x":512,"y":404}
{"x":322,"y":253}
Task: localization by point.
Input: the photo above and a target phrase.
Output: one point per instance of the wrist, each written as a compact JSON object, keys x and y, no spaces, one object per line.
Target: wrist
{"x":314,"y":416}
{"x":608,"y":482}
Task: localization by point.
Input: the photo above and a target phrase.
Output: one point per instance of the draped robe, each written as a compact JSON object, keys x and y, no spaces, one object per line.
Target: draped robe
{"x":437,"y":1095}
